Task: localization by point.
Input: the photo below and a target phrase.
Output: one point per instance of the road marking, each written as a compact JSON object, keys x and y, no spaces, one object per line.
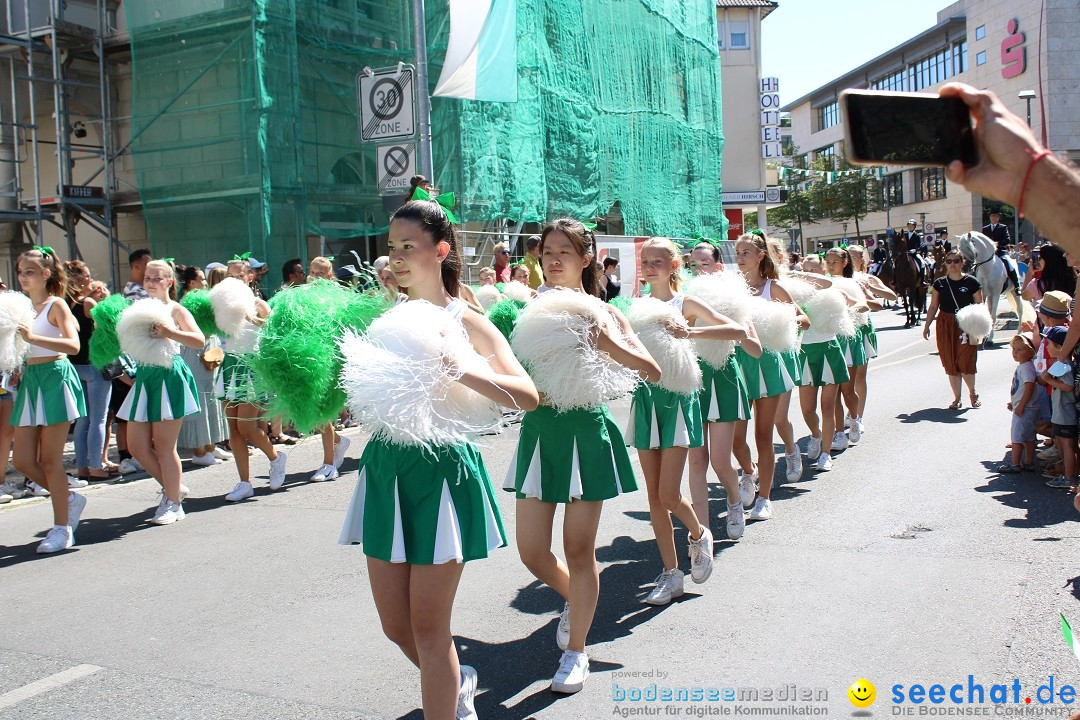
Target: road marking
{"x":900,"y":349}
{"x":46,"y":684}
{"x":878,"y":366}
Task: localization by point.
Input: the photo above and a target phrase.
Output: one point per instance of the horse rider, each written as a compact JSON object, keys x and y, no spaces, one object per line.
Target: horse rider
{"x":999,"y":233}
{"x":914,"y":240}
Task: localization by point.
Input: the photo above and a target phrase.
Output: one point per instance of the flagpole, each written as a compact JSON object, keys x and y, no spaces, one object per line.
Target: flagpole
{"x":422,"y":97}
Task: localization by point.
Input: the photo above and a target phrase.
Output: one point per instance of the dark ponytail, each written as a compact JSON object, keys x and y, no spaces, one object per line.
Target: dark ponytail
{"x":584,"y":243}
{"x":430,"y":216}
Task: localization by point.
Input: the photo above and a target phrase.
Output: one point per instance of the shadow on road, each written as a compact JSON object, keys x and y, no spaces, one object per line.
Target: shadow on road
{"x":938,"y":415}
{"x":1042,"y":506}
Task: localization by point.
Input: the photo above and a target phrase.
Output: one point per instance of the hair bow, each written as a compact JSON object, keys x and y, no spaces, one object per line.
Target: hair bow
{"x":445,"y":201}
{"x":44,"y":250}
{"x":705,"y":238}
{"x":242,"y":256}
{"x":168,"y":261}
{"x":590,"y":226}
{"x":330,"y":257}
{"x":759,"y":232}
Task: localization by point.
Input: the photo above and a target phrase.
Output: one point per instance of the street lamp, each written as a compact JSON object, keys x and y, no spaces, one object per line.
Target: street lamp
{"x":1027,"y":96}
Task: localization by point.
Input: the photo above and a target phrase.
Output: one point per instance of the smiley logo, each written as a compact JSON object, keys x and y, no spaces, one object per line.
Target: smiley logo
{"x":862,"y":693}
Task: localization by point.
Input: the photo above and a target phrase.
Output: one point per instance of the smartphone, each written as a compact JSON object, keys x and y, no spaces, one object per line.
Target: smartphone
{"x":894,"y":128}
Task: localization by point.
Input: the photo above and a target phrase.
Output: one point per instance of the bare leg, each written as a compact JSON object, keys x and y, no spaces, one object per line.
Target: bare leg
{"x":580,"y":520}
{"x":534,"y":521}
{"x":141,"y":442}
{"x":663,"y":476}
{"x":739,"y":447}
{"x":764,"y":418}
{"x":164,"y":435}
{"x":39,"y":455}
{"x":698,"y":461}
{"x":783,"y":423}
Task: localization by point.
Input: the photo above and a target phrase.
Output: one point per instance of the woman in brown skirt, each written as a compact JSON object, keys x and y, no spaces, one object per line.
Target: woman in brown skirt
{"x":950,"y":293}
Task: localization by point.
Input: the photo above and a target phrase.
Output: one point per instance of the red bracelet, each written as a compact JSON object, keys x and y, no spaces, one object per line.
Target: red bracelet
{"x":1027,"y":176}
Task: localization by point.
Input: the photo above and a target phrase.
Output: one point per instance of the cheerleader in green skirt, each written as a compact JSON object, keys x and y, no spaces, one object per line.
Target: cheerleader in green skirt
{"x":876,"y":294}
{"x":245,"y":410}
{"x":574,"y":459}
{"x":162,"y":397}
{"x":665,"y":425}
{"x":49,"y":396}
{"x":768,"y":377}
{"x":838,"y":263}
{"x":422,"y":514}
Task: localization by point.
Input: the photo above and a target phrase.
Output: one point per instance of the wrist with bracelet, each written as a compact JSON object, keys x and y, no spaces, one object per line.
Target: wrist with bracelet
{"x":1027,"y":179}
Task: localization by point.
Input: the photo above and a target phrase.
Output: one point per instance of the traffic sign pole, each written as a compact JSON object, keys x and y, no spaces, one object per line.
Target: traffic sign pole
{"x":422,"y":97}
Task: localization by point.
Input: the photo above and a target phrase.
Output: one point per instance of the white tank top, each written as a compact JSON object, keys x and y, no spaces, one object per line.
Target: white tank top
{"x":42,"y":327}
{"x":766,"y":290}
{"x":677,"y":302}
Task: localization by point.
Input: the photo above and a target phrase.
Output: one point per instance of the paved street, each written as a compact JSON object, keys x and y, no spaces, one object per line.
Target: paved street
{"x":911,"y":562}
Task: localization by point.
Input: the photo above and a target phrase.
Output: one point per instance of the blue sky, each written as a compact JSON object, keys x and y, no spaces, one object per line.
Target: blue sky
{"x":806,"y":43}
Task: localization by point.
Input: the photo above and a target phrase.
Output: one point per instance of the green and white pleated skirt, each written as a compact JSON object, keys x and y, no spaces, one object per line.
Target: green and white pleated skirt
{"x":869,"y":336}
{"x":238,"y":381}
{"x":161,"y":393}
{"x":661,"y":419}
{"x":854,"y":348}
{"x":48,"y":394}
{"x":770,"y":375}
{"x":823,"y":364}
{"x":423,"y":507}
{"x":570,"y":455}
{"x":723,"y":396}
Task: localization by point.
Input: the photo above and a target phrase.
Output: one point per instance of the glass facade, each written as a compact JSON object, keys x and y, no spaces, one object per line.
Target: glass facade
{"x":938,"y":67}
{"x":929,"y":184}
{"x":828,"y":115}
{"x":892,"y":190}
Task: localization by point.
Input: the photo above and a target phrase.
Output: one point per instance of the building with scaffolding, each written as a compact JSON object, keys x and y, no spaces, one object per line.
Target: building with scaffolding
{"x":204,"y":128}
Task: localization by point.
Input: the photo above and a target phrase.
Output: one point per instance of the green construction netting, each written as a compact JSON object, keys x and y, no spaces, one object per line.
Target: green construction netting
{"x":245,"y":132}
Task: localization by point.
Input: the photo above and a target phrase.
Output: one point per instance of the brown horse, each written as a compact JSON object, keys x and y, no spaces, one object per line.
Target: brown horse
{"x":901,"y":269}
{"x":939,"y":261}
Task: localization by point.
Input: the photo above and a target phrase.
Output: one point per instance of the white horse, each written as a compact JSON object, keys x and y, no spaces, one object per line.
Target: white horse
{"x":989,"y":270}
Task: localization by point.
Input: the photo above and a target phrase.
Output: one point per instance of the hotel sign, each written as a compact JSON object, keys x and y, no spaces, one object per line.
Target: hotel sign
{"x":770,"y":118}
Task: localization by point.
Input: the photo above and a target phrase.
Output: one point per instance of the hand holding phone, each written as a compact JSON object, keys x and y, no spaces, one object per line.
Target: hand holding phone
{"x":893,"y":128}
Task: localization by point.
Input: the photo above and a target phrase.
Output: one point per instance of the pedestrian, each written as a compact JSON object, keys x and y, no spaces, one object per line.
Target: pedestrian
{"x":767,"y":377}
{"x":9,"y":489}
{"x":519,"y":272}
{"x":609,"y":279}
{"x":137,"y":261}
{"x":1023,"y":406}
{"x":1051,"y":272}
{"x":595,"y":462}
{"x":161,"y":396}
{"x":954,"y":291}
{"x":502,"y":262}
{"x":202,"y":431}
{"x":488,"y":276}
{"x":89,"y":432}
{"x":792,"y":456}
{"x":50,"y":395}
{"x":532,"y":262}
{"x":705,"y":259}
{"x":292,"y":273}
{"x":838,"y":263}
{"x":415,"y":557}
{"x":876,"y":294}
{"x":1059,"y":377}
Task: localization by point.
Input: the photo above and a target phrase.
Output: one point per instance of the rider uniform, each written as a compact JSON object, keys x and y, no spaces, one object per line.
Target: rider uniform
{"x":999,"y":233}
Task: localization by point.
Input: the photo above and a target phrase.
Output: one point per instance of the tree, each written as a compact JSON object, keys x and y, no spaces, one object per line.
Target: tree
{"x":799,"y":207}
{"x":851,"y":196}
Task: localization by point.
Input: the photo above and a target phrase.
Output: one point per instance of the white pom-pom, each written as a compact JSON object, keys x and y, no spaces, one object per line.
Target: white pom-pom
{"x":15,"y":309}
{"x":517,"y":291}
{"x":246,"y":339}
{"x":775,"y":325}
{"x":725,"y":292}
{"x":799,"y":290}
{"x":400,"y":378}
{"x":487,"y":295}
{"x":975,"y":320}
{"x":233,"y":303}
{"x":552,"y":338}
{"x":650,"y":318}
{"x":133,"y":330}
{"x":828,"y":313}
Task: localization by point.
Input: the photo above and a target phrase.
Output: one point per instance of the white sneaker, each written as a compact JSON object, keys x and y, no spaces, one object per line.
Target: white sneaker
{"x":326,"y":472}
{"x":701,"y":557}
{"x":205,"y":460}
{"x":59,"y":538}
{"x":76,"y":505}
{"x":242,"y":491}
{"x":848,"y":421}
{"x":168,"y":513}
{"x":222,"y":454}
{"x":762,"y":509}
{"x":861,"y":425}
{"x":669,"y":585}
{"x":1051,"y":453}
{"x":130,"y":465}
{"x":824,"y":463}
{"x":562,"y":631}
{"x":839,"y":441}
{"x":184,"y":492}
{"x":854,"y":433}
{"x":813,"y":448}
{"x":75,"y":483}
{"x":467,"y":694}
{"x":277,"y":471}
{"x":342,"y":445}
{"x":36,"y":490}
{"x":573,"y":670}
{"x":736,"y":521}
{"x":793,"y":461}
{"x":747,"y":490}
{"x":13,"y":489}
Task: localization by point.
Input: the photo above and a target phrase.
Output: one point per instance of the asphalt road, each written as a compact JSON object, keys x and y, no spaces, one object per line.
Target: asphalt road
{"x":911,"y":562}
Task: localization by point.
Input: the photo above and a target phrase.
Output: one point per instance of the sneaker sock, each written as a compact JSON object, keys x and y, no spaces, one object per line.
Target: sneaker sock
{"x":61,"y":527}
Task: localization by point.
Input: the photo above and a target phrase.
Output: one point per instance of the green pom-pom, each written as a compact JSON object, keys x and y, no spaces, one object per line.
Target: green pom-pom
{"x":198,"y":304}
{"x":298,"y":362}
{"x":500,"y":286}
{"x":504,"y":315}
{"x":621,"y":303}
{"x":104,"y":344}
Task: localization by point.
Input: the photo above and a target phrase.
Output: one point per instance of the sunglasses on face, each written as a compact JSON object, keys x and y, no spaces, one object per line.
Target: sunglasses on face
{"x":954,"y":261}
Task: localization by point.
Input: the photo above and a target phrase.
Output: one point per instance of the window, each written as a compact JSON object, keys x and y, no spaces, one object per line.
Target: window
{"x":980,"y":58}
{"x":980,"y":32}
{"x":828,"y":115}
{"x":829,"y":153}
{"x":739,"y":36}
{"x":892,"y":190}
{"x":720,"y":33}
{"x":894,"y":81}
{"x":960,"y":58}
{"x":929,"y":184}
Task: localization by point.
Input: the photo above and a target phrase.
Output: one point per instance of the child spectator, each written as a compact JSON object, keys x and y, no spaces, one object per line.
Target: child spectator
{"x":487,"y":276}
{"x":1025,"y":409}
{"x":1063,"y":409}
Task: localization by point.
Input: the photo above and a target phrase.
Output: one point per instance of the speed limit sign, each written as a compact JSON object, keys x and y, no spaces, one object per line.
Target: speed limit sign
{"x":385,"y":97}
